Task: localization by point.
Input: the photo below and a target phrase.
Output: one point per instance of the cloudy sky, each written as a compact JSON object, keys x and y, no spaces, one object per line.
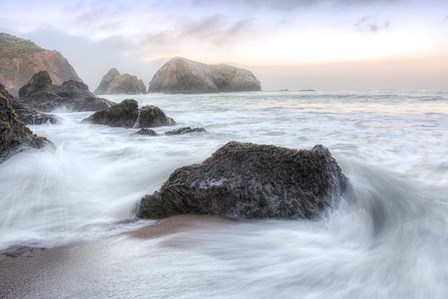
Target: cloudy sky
{"x":295,"y":44}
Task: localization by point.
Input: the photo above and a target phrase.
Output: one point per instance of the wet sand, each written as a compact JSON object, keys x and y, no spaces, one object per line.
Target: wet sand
{"x":148,"y":262}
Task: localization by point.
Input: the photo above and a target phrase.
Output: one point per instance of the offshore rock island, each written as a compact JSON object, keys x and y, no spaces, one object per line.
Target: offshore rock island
{"x":115,"y":83}
{"x":181,"y":75}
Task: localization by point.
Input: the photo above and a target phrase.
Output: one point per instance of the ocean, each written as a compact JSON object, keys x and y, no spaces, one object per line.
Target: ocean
{"x":388,"y":237}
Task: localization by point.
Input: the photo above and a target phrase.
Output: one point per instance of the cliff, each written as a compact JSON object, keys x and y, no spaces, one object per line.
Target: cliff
{"x":20,"y":59}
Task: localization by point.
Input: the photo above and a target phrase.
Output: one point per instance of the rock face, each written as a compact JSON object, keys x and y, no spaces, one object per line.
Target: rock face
{"x":27,"y":115}
{"x":186,"y":130}
{"x":244,"y":180}
{"x":115,"y":83}
{"x":127,"y":115}
{"x":20,"y":59}
{"x":14,"y":135}
{"x":180,"y":75}
{"x":40,"y":94}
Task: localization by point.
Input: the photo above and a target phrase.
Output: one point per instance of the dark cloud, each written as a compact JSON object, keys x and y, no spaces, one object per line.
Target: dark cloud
{"x":370,"y":25}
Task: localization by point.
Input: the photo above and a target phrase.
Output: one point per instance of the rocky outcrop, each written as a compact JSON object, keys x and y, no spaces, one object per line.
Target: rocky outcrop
{"x":115,"y":83}
{"x":244,"y":180}
{"x":40,"y":94}
{"x":32,"y":117}
{"x":27,"y":115}
{"x":146,"y":132}
{"x":14,"y":135}
{"x":128,"y":115}
{"x":186,"y":130}
{"x":20,"y":59}
{"x":180,"y":75}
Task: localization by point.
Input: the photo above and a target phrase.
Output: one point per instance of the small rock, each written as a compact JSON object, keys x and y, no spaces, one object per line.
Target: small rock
{"x":146,"y":132}
{"x":127,"y":115}
{"x":186,"y":130}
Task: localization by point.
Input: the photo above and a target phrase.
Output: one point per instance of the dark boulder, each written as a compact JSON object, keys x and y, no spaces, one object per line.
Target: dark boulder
{"x":128,"y":115}
{"x":153,"y":116}
{"x":27,"y":115}
{"x":40,"y":94}
{"x":244,"y":180}
{"x":186,"y":130}
{"x":146,"y":132}
{"x":14,"y":135}
{"x":39,"y":81}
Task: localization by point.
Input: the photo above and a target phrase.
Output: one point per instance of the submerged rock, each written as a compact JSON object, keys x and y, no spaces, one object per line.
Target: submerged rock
{"x":27,"y":115}
{"x":180,"y":75}
{"x":244,"y":180}
{"x":127,"y":115}
{"x":186,"y":130}
{"x":115,"y":83}
{"x":146,"y":132}
{"x":14,"y":135}
{"x":40,"y":94}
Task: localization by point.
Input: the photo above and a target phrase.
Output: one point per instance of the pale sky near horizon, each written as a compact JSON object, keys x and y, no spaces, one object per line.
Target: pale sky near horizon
{"x":295,"y":44}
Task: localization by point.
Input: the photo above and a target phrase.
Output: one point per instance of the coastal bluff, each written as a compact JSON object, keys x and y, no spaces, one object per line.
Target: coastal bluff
{"x":20,"y":59}
{"x":181,"y":75}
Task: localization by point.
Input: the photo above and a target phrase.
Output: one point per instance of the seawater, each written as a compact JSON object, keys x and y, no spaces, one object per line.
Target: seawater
{"x":388,"y":238}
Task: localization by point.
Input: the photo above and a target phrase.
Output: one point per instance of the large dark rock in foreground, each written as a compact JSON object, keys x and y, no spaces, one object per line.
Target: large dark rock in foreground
{"x":27,"y":115}
{"x":14,"y":135}
{"x":128,"y":115}
{"x":20,"y":59}
{"x":40,"y":94}
{"x":115,"y":83}
{"x":180,"y":75}
{"x":244,"y":180}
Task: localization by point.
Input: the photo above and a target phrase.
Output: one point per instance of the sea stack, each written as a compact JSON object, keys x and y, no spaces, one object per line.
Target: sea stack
{"x":181,"y":75}
{"x":115,"y":83}
{"x":21,"y":59}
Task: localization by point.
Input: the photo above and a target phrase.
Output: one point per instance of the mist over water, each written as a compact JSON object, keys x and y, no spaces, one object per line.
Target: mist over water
{"x":387,"y":239}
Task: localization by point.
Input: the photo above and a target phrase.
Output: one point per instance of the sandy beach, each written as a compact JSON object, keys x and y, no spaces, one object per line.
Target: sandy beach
{"x":119,"y":266}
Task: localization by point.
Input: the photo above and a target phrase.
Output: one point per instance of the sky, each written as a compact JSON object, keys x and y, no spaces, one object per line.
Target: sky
{"x":294,"y":44}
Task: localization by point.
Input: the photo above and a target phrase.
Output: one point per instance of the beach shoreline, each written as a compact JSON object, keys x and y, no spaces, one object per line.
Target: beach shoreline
{"x":67,"y":271}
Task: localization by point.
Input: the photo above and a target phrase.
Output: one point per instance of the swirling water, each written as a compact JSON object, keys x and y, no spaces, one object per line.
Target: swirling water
{"x":387,"y":239}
